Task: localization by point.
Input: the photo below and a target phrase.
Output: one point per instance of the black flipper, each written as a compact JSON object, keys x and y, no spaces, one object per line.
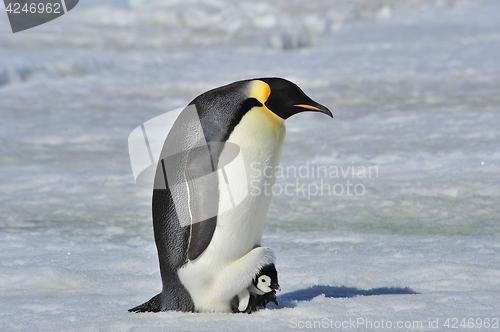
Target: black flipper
{"x":203,"y":182}
{"x":201,"y":235}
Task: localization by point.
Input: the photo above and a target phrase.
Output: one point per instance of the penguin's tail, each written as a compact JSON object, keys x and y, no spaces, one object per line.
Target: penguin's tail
{"x":153,"y":305}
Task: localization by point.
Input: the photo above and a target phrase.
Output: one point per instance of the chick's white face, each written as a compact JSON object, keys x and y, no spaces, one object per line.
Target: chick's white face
{"x":264,"y":284}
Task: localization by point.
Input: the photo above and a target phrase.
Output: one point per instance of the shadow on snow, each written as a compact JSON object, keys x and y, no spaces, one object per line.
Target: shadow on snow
{"x":290,"y":300}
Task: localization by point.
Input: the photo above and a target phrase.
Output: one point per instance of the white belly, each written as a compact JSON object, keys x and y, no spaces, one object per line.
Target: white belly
{"x":239,"y":230}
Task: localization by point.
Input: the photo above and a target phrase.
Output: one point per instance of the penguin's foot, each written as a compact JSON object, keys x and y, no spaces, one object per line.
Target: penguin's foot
{"x":153,"y":305}
{"x":172,"y":298}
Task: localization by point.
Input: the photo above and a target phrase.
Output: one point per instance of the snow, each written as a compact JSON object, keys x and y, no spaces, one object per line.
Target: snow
{"x":414,"y":87}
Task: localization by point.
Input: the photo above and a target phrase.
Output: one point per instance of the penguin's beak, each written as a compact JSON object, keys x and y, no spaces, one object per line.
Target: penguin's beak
{"x":316,"y":107}
{"x":275,"y":286}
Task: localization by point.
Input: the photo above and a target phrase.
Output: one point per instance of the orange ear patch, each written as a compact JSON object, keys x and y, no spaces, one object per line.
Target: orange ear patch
{"x":259,"y":90}
{"x":267,"y":92}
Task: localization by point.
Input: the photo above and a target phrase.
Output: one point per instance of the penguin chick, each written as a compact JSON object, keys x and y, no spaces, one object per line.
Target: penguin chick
{"x":261,"y":291}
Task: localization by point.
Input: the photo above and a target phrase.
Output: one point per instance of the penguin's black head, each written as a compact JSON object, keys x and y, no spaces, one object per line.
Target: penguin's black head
{"x":286,"y":99}
{"x":221,"y":109}
{"x":267,"y":279}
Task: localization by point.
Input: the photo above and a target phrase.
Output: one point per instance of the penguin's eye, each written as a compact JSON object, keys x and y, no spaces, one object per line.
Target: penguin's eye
{"x":263,"y":280}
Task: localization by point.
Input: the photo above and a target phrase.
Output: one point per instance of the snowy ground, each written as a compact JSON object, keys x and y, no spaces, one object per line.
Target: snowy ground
{"x":415,"y":89}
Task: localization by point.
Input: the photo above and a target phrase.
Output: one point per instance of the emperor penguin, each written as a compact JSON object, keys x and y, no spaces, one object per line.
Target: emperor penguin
{"x":207,"y":222}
